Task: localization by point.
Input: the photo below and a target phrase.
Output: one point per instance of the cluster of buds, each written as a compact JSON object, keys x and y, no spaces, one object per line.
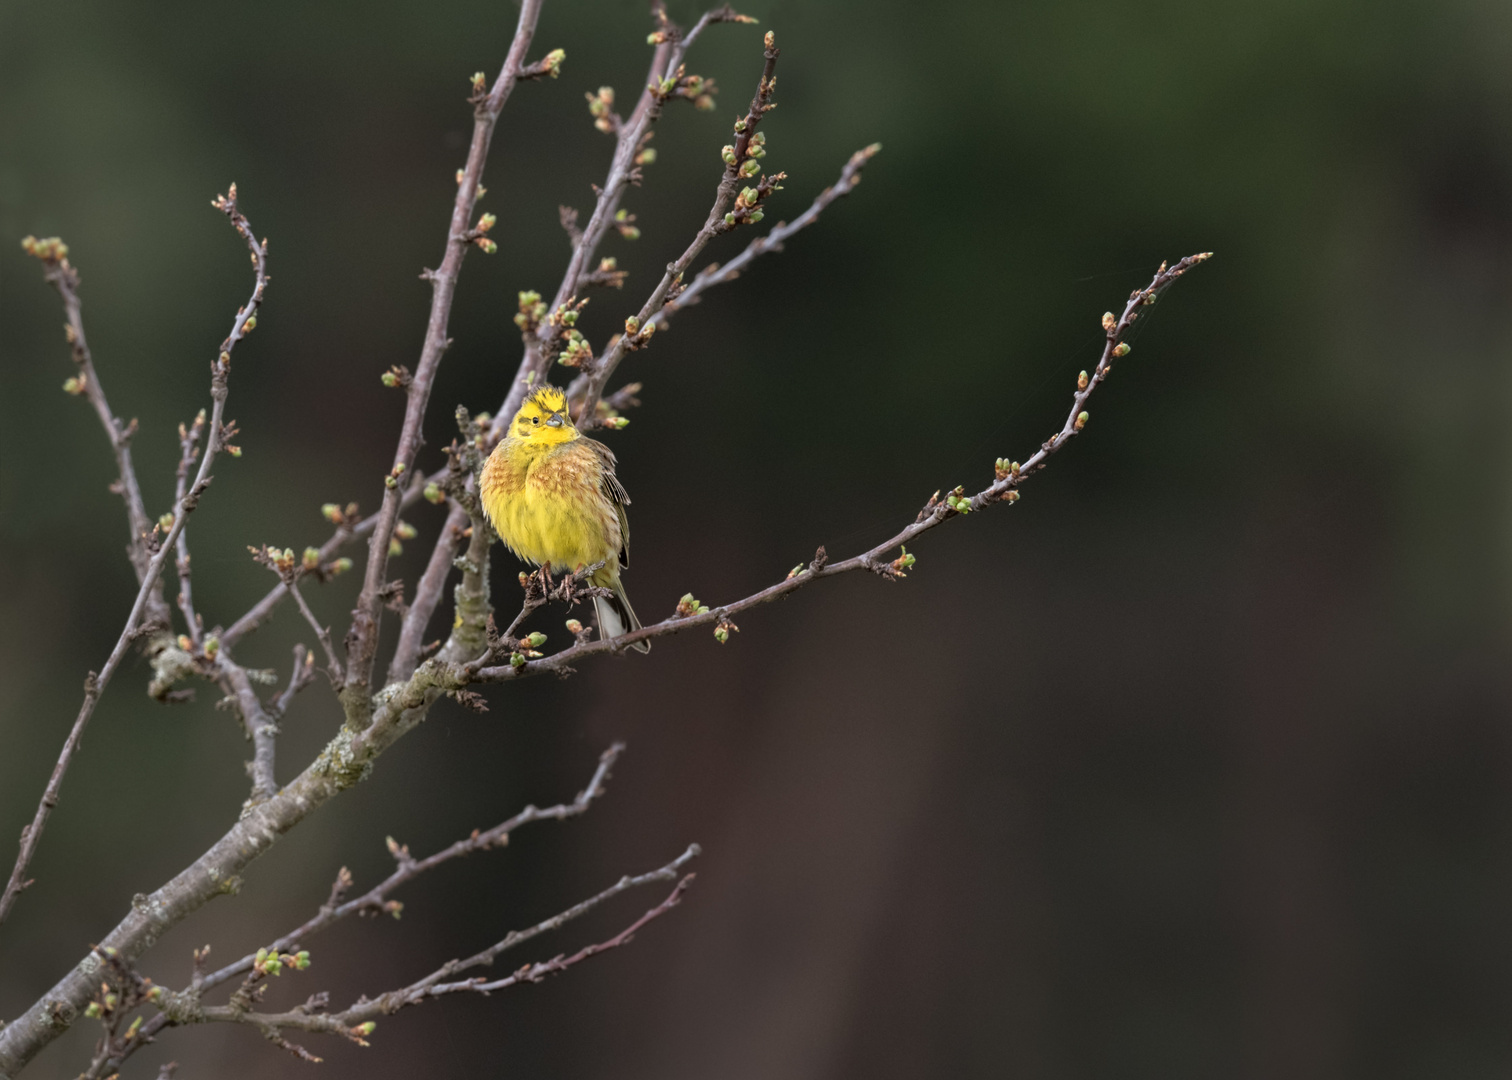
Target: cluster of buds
{"x":48,"y":249}
{"x":479,"y":234}
{"x":528,"y":648}
{"x":902,"y":563}
{"x":310,"y":560}
{"x":576,"y":352}
{"x":433,"y":493}
{"x":397,"y":375}
{"x":747,"y":209}
{"x":580,"y":633}
{"x":638,"y":335}
{"x":1081,"y":421}
{"x":551,"y":63}
{"x":647,"y":154}
{"x":623,"y":221}
{"x":1003,"y":469}
{"x":695,"y":88}
{"x":272,"y":962}
{"x":76,"y":384}
{"x":479,"y":85}
{"x":280,"y":560}
{"x":722,"y":631}
{"x":689,"y":606}
{"x":391,"y":481}
{"x":532,"y":311}
{"x":959,"y":501}
{"x":601,"y":108}
{"x":339,"y":515}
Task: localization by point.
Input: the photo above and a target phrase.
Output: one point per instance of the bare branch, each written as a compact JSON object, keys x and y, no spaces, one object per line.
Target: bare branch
{"x":95,"y":684}
{"x":850,"y":176}
{"x":741,"y":163}
{"x":260,"y":727}
{"x":189,"y":438}
{"x":301,"y":676}
{"x":63,"y":276}
{"x":433,"y":986}
{"x":428,"y":594}
{"x":362,"y":638}
{"x":671,"y":52}
{"x":1004,"y":489}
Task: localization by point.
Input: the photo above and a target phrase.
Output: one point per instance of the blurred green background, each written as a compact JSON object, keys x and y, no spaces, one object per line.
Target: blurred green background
{"x":1195,"y":763}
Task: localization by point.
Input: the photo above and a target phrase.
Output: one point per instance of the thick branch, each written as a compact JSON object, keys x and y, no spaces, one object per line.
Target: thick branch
{"x":94,"y":685}
{"x":362,"y":638}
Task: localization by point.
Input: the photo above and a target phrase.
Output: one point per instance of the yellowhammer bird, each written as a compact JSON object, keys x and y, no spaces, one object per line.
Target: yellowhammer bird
{"x":554,"y":500}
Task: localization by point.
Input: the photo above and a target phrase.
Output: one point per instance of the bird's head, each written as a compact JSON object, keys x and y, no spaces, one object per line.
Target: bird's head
{"x":543,"y":420}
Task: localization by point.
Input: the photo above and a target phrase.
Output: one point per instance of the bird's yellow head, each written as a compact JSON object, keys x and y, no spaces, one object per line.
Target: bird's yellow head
{"x":543,"y":420}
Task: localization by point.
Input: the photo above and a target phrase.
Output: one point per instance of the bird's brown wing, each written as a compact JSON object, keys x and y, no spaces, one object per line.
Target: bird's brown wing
{"x":615,"y":492}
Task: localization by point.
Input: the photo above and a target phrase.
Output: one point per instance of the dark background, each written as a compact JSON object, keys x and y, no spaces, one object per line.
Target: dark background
{"x":1195,"y":763}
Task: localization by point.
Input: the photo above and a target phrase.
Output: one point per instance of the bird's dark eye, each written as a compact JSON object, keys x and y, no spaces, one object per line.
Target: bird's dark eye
{"x":535,"y":419}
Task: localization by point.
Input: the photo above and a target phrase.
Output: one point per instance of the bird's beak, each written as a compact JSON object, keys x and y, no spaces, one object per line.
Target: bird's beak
{"x":556,"y":420}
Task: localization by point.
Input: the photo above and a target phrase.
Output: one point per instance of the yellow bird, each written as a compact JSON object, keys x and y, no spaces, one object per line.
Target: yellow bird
{"x":554,"y":500}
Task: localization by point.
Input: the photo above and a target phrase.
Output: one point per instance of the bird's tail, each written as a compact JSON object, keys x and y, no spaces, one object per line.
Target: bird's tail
{"x":616,"y":616}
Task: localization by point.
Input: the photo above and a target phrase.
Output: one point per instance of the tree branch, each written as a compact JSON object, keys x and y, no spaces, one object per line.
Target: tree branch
{"x":715,"y":274}
{"x":183,"y":1006}
{"x":365,"y":1012}
{"x":95,"y":684}
{"x":671,"y":52}
{"x":189,"y":437}
{"x":362,"y":638}
{"x":936,"y":511}
{"x":350,"y":755}
{"x":741,"y":163}
{"x":58,"y":272}
{"x":261,"y":729}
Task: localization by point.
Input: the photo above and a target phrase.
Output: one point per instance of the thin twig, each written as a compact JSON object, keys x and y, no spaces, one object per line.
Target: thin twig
{"x":432,"y":986}
{"x":189,"y":437}
{"x":302,"y":674}
{"x":670,"y":55}
{"x":261,"y":728}
{"x":95,"y":684}
{"x":321,"y":632}
{"x":590,"y":385}
{"x":428,"y":593}
{"x":63,"y":276}
{"x":362,"y":638}
{"x":850,"y":176}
